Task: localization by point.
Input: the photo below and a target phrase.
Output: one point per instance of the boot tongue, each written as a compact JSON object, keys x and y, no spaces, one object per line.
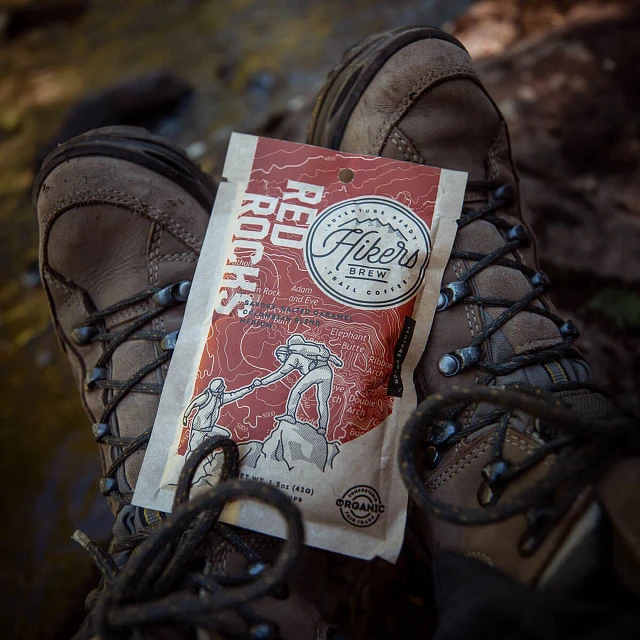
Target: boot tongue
{"x":546,"y":376}
{"x":131,"y":520}
{"x":538,"y":375}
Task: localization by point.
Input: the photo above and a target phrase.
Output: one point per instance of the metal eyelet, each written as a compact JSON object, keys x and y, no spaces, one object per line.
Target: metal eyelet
{"x":528,"y":543}
{"x":100,"y":430}
{"x":452,"y":293}
{"x":257,"y":568}
{"x":264,"y":631}
{"x":168,"y":343}
{"x":507,"y":193}
{"x":545,"y":430}
{"x":487,"y":494}
{"x":280,"y":591}
{"x":537,"y":515}
{"x":491,"y":489}
{"x":82,"y":336}
{"x":93,"y":376}
{"x":433,"y":457}
{"x":451,"y":364}
{"x":439,"y":439}
{"x":173,"y":294}
{"x":541,"y":279}
{"x":535,"y":535}
{"x":107,"y":485}
{"x":442,"y":431}
{"x":569,"y":330}
{"x":519,"y":233}
{"x":494,"y":471}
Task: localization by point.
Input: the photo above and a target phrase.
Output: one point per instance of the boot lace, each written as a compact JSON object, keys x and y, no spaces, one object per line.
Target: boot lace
{"x":92,"y":330}
{"x":164,"y":583}
{"x":577,"y":441}
{"x":586,"y":448}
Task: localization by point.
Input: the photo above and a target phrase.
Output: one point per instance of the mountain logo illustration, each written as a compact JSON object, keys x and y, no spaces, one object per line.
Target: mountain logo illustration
{"x":369,"y":252}
{"x":375,"y":222}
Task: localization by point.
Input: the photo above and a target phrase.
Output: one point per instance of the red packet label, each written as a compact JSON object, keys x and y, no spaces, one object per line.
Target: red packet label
{"x":310,"y":308}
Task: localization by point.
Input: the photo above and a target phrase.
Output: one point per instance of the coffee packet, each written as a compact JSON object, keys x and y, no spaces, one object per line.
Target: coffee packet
{"x":310,"y":308}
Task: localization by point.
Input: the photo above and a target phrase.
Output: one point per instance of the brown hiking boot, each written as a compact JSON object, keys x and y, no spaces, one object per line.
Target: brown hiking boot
{"x":491,"y":473}
{"x":122,"y":218}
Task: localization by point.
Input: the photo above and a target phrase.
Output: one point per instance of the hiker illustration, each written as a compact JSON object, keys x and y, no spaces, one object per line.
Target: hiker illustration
{"x":313,"y":361}
{"x":204,"y":424}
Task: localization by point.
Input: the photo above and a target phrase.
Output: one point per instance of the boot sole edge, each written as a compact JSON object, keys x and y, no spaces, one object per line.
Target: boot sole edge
{"x":140,"y":147}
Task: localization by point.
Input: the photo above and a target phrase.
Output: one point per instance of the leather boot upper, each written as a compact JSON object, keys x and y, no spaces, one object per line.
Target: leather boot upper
{"x":111,"y":230}
{"x":427,"y":105}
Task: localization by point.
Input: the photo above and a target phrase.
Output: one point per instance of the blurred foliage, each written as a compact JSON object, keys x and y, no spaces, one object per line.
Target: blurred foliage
{"x":620,"y":305}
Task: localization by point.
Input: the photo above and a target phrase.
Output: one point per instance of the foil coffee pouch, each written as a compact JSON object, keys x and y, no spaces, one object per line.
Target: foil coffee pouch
{"x":310,"y":308}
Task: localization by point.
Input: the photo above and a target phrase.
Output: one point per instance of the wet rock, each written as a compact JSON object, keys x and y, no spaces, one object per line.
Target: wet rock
{"x":145,"y":101}
{"x":488,"y":27}
{"x":290,"y":123}
{"x":4,"y":22}
{"x":196,"y":149}
{"x":226,"y":71}
{"x":42,"y":13}
{"x":30,"y":277}
{"x":491,"y":27}
{"x":575,"y":123}
{"x":261,"y":85}
{"x":43,"y":358}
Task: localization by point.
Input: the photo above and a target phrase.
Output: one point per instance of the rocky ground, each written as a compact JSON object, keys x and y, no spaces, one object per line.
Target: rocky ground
{"x":565,"y":73}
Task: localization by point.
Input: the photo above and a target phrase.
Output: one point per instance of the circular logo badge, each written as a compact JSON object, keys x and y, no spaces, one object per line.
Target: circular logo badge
{"x":369,"y":252}
{"x":361,"y":506}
